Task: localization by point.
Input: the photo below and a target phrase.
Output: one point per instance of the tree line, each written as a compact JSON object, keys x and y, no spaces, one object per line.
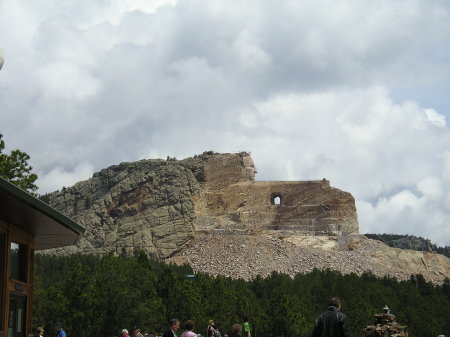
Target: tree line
{"x":94,"y":295}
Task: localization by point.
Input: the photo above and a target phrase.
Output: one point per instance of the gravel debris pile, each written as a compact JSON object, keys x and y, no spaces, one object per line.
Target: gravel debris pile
{"x":245,"y":256}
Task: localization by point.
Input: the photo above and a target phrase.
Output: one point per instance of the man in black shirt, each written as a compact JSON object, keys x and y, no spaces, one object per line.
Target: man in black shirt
{"x":174,"y":325}
{"x":332,"y":323}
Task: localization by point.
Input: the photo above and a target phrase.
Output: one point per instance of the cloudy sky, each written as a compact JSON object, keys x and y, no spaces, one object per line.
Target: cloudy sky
{"x":355,"y":92}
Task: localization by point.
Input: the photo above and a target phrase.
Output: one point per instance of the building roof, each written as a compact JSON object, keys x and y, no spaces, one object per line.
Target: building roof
{"x":48,"y":227}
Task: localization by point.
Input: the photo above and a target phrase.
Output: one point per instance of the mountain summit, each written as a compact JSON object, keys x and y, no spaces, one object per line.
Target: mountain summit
{"x":209,"y":211}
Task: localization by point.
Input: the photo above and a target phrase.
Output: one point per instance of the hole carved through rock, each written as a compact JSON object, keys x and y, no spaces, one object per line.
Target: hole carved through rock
{"x":275,"y":199}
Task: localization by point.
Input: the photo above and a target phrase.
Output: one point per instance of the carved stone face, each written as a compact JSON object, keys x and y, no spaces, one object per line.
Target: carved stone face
{"x":249,"y":167}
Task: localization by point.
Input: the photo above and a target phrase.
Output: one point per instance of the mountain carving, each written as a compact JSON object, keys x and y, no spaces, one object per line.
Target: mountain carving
{"x":209,"y":211}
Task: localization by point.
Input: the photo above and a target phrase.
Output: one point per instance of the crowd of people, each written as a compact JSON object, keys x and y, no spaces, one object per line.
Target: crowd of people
{"x":331,"y":323}
{"x":237,"y":330}
{"x":59,"y":332}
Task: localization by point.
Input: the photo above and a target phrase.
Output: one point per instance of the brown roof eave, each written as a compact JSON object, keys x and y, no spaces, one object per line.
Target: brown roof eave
{"x":49,"y":228}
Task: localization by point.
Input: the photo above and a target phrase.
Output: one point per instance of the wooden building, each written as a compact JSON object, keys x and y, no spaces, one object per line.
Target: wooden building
{"x":26,"y":225}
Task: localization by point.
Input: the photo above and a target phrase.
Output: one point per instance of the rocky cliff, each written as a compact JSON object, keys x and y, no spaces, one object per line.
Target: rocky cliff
{"x":210,"y":212}
{"x":404,"y":241}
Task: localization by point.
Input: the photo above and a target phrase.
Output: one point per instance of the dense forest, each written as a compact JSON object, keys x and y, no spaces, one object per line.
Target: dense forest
{"x":409,"y":242}
{"x":93,"y":295}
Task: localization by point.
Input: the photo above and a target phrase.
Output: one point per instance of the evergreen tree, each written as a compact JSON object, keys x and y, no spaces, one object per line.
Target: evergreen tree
{"x":15,"y":168}
{"x":89,"y":295}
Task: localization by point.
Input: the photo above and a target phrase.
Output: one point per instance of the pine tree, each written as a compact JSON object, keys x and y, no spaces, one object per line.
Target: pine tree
{"x":15,"y":168}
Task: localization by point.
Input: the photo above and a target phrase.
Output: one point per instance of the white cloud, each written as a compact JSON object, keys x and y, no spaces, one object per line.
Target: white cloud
{"x":58,"y":177}
{"x":435,"y":117}
{"x":66,"y":81}
{"x":309,"y":87}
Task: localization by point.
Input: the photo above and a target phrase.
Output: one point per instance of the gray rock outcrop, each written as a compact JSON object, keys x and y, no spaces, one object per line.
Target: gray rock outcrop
{"x":142,"y":205}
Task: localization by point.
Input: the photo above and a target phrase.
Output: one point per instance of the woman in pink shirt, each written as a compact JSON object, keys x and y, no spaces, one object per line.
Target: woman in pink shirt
{"x":189,"y":325}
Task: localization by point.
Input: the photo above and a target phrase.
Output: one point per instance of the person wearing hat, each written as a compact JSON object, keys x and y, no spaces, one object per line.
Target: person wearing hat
{"x":59,"y":330}
{"x":386,"y":310}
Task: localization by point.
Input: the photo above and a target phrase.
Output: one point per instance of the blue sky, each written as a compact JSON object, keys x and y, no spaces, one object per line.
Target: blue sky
{"x":349,"y":91}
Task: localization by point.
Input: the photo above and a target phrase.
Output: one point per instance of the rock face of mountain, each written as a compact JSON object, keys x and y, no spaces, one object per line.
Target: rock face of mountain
{"x":210,"y":212}
{"x":159,"y":205}
{"x":146,"y":205}
{"x":404,"y":242}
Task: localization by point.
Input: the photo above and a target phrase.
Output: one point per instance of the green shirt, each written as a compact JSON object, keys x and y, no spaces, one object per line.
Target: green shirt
{"x":246,"y":328}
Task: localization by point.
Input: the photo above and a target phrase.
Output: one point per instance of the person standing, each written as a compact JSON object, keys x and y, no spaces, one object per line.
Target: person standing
{"x":211,"y":329}
{"x":332,"y":323}
{"x":59,"y":330}
{"x":236,"y":330}
{"x":39,"y":332}
{"x":174,"y":325}
{"x":136,"y":332}
{"x":189,"y":326}
{"x":246,"y":327}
